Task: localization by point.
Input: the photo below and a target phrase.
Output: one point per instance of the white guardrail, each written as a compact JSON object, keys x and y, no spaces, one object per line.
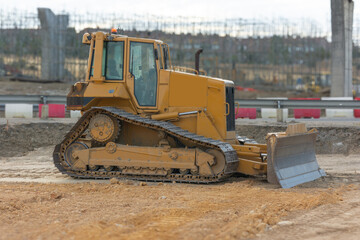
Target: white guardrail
{"x":335,"y":107}
{"x":244,"y":103}
{"x":28,"y":106}
{"x":33,"y":99}
{"x":293,"y":104}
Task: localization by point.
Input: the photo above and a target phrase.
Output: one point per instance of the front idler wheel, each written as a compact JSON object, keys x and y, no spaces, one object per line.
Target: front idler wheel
{"x":220,"y":162}
{"x":70,"y":157}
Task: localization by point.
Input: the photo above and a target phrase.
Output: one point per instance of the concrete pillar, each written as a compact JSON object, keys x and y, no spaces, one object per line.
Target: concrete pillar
{"x":53,"y":30}
{"x":280,"y":115}
{"x":341,"y":47}
{"x":44,"y":111}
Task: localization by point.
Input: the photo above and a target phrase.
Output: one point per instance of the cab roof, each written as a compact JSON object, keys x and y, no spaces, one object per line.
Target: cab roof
{"x":111,"y":36}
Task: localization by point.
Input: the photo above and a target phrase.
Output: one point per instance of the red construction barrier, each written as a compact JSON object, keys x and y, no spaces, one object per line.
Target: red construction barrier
{"x":306,"y":113}
{"x":245,"y":89}
{"x":55,"y":110}
{"x":357,"y":111}
{"x":245,"y":113}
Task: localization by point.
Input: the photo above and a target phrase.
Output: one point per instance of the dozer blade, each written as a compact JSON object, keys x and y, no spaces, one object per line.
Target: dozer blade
{"x":291,"y":159}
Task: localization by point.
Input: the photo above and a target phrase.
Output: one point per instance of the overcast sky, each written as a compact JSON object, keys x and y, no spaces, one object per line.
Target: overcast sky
{"x":318,"y":10}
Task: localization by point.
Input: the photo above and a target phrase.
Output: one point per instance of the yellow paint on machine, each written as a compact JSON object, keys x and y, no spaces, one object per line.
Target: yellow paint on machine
{"x":135,"y":75}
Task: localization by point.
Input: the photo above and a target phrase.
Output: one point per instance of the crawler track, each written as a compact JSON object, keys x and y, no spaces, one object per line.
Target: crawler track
{"x":80,"y":127}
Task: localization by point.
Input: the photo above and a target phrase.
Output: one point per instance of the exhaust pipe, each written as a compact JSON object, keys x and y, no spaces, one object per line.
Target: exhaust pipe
{"x":197,"y":60}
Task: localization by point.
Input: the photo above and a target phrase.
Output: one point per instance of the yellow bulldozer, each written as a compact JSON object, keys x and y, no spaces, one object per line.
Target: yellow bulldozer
{"x":142,"y":120}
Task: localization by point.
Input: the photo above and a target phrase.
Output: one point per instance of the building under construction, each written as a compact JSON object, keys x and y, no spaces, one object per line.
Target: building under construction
{"x":250,"y":52}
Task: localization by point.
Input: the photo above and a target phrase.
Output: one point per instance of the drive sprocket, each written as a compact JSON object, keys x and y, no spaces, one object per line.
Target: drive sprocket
{"x":104,"y":128}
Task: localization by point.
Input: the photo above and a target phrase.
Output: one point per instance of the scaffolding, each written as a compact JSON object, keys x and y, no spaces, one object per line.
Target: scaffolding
{"x":264,"y":52}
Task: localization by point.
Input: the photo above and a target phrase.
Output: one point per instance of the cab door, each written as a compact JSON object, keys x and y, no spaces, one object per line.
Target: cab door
{"x":143,"y":73}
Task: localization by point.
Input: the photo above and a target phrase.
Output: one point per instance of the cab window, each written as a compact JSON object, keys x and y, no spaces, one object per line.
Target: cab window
{"x":166,"y":57}
{"x":92,"y":61}
{"x":113,"y":60}
{"x":143,"y":68}
{"x":160,"y":56}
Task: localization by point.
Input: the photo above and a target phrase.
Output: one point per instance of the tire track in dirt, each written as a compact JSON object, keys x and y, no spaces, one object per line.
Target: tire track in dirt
{"x":338,"y":221}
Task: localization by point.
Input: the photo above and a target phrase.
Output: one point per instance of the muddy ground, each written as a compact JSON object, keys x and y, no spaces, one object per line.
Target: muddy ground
{"x":233,"y":210}
{"x":330,"y":140}
{"x":38,"y":202}
{"x":16,"y":139}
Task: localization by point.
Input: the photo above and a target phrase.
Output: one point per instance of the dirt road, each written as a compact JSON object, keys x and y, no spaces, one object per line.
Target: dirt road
{"x":335,"y":221}
{"x":234,"y":210}
{"x":19,"y":136}
{"x":37,"y":166}
{"x":37,"y":202}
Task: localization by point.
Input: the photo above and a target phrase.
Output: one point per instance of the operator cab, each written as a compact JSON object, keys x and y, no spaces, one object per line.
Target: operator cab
{"x":128,"y":59}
